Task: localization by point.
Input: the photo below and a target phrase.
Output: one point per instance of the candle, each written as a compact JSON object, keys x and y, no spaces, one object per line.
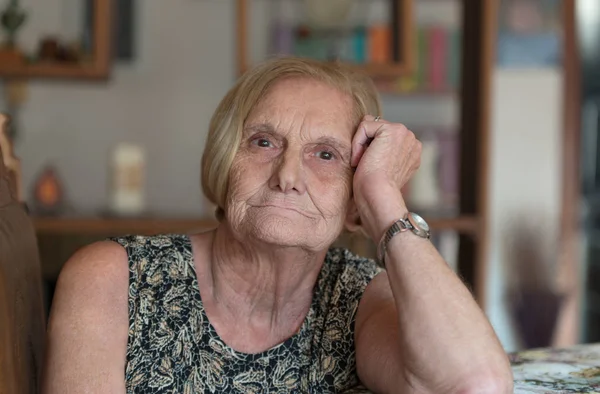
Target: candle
{"x":128,"y":178}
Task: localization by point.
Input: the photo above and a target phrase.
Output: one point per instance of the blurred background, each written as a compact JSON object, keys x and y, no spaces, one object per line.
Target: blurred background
{"x":110,"y":102}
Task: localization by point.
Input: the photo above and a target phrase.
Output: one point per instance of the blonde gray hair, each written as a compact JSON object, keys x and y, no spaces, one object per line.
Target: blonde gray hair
{"x":227,"y":123}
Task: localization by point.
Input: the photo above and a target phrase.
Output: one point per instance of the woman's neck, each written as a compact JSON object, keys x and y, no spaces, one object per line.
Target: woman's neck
{"x":267,"y":286}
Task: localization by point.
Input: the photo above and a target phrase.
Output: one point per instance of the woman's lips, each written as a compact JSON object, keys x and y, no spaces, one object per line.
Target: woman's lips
{"x":287,"y":208}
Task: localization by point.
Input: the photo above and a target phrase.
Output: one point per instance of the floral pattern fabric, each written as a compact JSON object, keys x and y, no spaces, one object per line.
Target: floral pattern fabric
{"x":550,"y":371}
{"x":173,"y":348}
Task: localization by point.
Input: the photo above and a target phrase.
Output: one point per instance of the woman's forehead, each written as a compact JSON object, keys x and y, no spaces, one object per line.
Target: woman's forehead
{"x":311,"y":103}
{"x":307,"y":94}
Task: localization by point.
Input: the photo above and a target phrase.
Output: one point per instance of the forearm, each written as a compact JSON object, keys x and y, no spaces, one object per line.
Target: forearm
{"x":444,"y":335}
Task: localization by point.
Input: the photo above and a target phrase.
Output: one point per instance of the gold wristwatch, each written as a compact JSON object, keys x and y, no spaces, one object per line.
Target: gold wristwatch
{"x":411,"y":222}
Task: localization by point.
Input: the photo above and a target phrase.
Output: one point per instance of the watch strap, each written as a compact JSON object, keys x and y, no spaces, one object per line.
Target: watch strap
{"x":397,"y":227}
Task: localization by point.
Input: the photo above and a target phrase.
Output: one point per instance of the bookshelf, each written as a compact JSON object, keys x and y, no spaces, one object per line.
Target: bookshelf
{"x":381,"y":50}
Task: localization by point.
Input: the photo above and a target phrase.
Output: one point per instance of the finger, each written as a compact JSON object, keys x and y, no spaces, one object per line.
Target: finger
{"x":367,"y":130}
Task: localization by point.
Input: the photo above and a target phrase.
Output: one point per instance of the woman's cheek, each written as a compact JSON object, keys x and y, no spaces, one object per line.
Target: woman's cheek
{"x":249,"y":162}
{"x":331,"y":179}
{"x":334,"y":172}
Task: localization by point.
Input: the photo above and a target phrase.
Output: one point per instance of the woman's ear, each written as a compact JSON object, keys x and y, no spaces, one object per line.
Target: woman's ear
{"x":353,"y":222}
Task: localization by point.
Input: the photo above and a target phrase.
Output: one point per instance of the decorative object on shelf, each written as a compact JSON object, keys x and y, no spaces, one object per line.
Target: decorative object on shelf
{"x":330,"y":14}
{"x":127,"y":193}
{"x":52,"y":50}
{"x":11,"y":162}
{"x":424,"y":189}
{"x":532,"y":261}
{"x":529,"y":33}
{"x":48,"y":193}
{"x":12,"y":19}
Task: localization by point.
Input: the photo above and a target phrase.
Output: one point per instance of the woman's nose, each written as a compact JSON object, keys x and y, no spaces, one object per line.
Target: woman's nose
{"x":288,"y":174}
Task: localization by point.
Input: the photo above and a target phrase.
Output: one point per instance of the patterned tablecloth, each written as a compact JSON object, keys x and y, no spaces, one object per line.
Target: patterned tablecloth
{"x":572,"y":370}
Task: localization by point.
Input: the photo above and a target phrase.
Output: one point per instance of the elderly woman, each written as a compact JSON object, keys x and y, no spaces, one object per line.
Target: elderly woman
{"x":296,"y":152}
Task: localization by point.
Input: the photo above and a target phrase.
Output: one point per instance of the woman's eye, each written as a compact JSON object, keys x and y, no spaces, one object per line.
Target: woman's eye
{"x":325,"y":155}
{"x":262,"y":143}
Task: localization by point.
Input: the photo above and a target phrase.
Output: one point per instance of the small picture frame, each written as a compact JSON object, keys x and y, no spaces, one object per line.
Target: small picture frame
{"x":122,"y":30}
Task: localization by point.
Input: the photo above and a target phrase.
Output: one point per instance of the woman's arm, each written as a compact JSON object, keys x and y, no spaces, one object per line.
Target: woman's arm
{"x":418,"y":329}
{"x":88,"y":325}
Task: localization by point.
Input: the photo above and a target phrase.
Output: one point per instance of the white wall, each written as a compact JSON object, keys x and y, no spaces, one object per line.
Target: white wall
{"x":525,"y":176}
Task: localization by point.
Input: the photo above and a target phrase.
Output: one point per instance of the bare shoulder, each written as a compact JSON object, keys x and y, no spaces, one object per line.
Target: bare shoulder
{"x":107,"y":258}
{"x":88,"y":325}
{"x":102,"y":262}
{"x":98,"y":271}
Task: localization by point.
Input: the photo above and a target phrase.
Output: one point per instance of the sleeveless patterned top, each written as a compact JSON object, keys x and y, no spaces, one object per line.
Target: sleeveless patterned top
{"x":173,"y":348}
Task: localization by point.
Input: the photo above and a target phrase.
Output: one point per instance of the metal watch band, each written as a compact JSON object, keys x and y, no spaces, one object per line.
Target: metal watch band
{"x":397,"y":227}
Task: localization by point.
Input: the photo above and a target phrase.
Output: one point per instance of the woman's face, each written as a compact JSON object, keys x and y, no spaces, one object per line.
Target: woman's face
{"x":290,"y":182}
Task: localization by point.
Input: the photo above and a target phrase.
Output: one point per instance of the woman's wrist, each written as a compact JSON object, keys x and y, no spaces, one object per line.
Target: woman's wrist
{"x":379,"y":212}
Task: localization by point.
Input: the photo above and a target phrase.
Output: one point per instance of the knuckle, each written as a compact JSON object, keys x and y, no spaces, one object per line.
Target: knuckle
{"x":403,"y":131}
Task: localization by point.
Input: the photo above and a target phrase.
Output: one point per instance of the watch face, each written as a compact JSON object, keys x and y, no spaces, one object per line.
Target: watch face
{"x":419,"y":222}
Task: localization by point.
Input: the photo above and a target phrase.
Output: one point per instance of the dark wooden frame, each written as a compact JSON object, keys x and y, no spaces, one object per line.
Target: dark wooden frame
{"x":478,"y":55}
{"x":99,"y":68}
{"x":405,"y":26}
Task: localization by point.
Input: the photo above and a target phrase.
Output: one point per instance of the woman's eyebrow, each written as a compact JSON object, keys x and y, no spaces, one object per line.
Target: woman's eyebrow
{"x":260,"y":128}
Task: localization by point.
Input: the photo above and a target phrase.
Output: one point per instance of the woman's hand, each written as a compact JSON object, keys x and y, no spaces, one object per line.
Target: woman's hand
{"x":385,"y":156}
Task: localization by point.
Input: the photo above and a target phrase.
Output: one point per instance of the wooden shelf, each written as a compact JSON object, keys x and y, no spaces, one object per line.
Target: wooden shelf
{"x":461,"y":224}
{"x":119,"y":226}
{"x":57,"y":70}
{"x":157,"y":225}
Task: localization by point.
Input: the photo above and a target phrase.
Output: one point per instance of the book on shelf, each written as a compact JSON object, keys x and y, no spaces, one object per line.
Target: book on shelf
{"x":436,"y":66}
{"x":437,"y":62}
{"x":380,"y":44}
{"x":433,"y":189}
{"x":437,"y":52}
